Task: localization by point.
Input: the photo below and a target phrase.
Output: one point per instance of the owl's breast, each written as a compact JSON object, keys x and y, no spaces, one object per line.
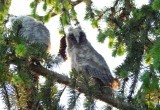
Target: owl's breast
{"x":80,"y":58}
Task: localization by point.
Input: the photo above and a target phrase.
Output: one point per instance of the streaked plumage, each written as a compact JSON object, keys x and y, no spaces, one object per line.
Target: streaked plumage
{"x":32,"y":30}
{"x":85,"y":59}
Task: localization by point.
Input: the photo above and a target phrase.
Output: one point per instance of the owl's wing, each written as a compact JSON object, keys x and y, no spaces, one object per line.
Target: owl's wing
{"x":34,"y":31}
{"x":100,"y":74}
{"x":96,"y":66}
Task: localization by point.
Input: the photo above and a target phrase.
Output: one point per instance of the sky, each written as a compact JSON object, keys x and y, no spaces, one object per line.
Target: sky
{"x":21,"y":7}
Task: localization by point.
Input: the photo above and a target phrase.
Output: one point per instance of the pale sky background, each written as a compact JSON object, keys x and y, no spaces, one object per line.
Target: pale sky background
{"x":21,"y":7}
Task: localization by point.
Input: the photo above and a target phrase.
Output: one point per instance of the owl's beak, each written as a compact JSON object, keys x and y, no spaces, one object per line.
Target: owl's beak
{"x":76,"y":35}
{"x":77,"y":39}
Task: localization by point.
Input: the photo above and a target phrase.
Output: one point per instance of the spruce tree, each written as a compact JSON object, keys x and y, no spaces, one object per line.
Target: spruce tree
{"x":132,"y":31}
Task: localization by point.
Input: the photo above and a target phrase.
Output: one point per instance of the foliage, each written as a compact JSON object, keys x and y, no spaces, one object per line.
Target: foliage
{"x":49,"y":94}
{"x":4,"y":7}
{"x":19,"y":84}
{"x":133,"y":32}
{"x":156,"y":5}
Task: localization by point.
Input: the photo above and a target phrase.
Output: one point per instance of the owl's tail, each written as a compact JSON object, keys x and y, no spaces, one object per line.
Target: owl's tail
{"x":115,"y":84}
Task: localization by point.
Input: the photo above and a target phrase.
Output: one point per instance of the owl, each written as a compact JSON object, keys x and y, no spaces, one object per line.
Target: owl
{"x":33,"y":31}
{"x":85,"y":59}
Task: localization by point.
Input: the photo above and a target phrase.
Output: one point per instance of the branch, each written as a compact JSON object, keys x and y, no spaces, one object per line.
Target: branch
{"x":76,"y":2}
{"x":115,"y":102}
{"x":44,"y":72}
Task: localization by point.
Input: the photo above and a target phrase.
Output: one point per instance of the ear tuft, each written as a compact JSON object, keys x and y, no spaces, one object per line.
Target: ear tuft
{"x":70,"y":29}
{"x":79,"y":28}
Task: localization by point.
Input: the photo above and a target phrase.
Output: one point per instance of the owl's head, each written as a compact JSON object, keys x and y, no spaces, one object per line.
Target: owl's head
{"x":75,"y":36}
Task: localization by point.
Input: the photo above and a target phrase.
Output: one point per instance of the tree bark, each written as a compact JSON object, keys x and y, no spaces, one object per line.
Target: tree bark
{"x":110,"y":99}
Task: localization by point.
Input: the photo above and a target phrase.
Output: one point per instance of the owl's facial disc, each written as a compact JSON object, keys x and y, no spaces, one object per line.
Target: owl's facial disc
{"x":76,"y":34}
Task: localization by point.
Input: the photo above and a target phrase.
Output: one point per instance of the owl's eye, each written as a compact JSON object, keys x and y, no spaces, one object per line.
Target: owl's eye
{"x":82,"y":37}
{"x":82,"y":34}
{"x":71,"y":36}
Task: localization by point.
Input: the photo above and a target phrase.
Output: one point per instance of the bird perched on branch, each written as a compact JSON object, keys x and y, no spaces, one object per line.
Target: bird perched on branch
{"x":85,"y":59}
{"x":32,"y":30}
{"x":37,"y":42}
